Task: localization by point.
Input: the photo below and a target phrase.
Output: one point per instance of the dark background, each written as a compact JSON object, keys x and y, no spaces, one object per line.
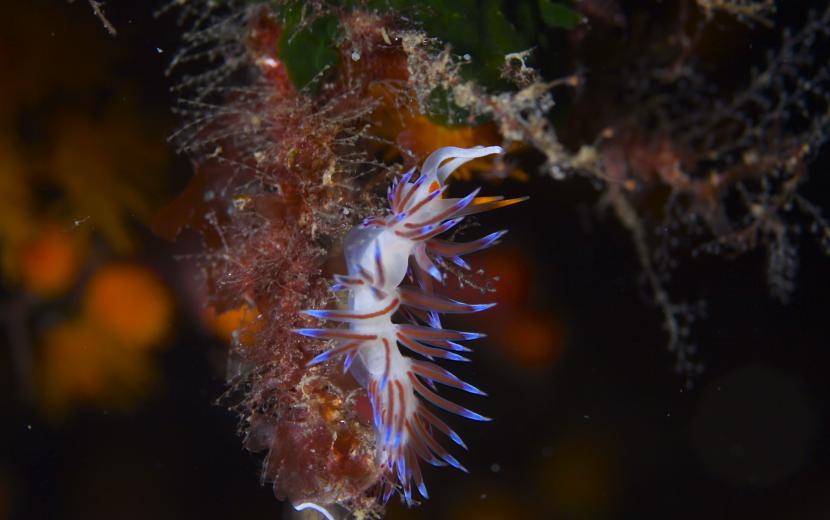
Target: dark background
{"x":604,"y":428}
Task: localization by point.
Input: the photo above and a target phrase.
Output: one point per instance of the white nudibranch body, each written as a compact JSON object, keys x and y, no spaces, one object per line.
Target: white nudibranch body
{"x":383,"y":254}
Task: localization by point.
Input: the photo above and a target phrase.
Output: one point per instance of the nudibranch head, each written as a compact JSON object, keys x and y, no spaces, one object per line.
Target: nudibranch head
{"x":382,"y":254}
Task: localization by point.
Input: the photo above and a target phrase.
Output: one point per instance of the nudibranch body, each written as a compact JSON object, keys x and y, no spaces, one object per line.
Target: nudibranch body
{"x":381,"y":255}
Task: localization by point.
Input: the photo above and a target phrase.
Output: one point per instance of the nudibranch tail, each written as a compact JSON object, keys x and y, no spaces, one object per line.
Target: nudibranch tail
{"x":380,"y":254}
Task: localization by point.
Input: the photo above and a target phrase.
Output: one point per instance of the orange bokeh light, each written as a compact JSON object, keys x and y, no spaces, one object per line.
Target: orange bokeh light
{"x":49,"y":262}
{"x":242,"y":320}
{"x":533,"y":339}
{"x":78,"y":364}
{"x":130,"y":304}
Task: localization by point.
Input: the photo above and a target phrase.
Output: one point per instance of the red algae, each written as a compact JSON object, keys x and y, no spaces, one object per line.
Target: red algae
{"x":317,"y":451}
{"x":281,"y":175}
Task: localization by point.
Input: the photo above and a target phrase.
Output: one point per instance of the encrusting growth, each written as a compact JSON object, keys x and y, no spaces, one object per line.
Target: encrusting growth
{"x":381,"y":254}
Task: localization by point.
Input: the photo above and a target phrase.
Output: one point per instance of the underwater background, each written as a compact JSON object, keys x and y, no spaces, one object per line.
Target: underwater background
{"x":115,"y":350}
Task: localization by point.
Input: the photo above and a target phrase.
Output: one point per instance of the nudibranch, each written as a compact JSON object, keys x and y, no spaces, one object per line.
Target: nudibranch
{"x":383,"y":255}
